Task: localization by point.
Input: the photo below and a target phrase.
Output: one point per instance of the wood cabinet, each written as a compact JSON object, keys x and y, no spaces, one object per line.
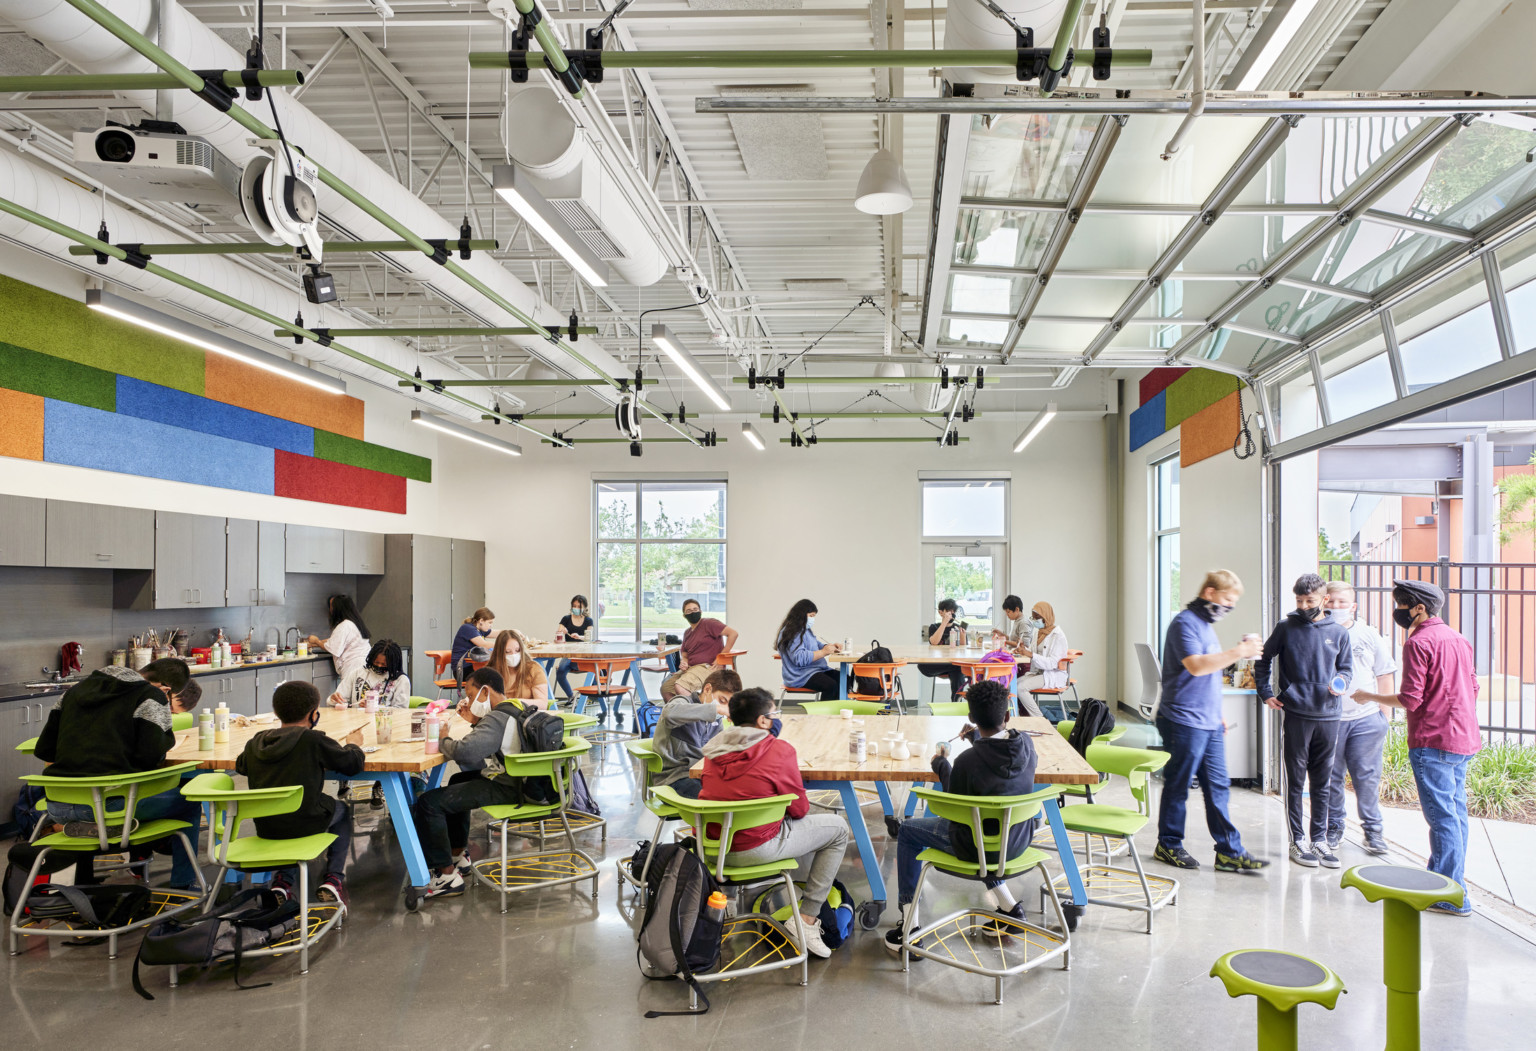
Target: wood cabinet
{"x":271,"y":564}
{"x":313,"y":549}
{"x":362,"y":553}
{"x":23,"y":529}
{"x":240,"y":562}
{"x":96,"y":536}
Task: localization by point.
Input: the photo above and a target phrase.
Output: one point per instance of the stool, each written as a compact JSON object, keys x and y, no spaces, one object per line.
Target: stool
{"x":1280,"y":981}
{"x":727,"y":658}
{"x":1406,"y":892}
{"x":602,"y":671}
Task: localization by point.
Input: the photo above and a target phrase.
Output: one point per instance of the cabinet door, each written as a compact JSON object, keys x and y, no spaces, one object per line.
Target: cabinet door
{"x":323,"y":675}
{"x":432,"y":623}
{"x":23,"y":525}
{"x":241,"y":579}
{"x":240,"y":692}
{"x":95,"y":536}
{"x":18,"y":722}
{"x":189,"y":561}
{"x":271,"y":560}
{"x":363,"y":553}
{"x":313,"y":549}
{"x":468,"y":577}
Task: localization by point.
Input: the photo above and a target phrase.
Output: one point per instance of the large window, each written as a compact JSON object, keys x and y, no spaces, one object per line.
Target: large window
{"x":1165,"y":521}
{"x":965,"y":548}
{"x":657,"y":544}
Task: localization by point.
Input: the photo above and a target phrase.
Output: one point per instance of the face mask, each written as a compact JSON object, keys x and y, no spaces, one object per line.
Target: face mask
{"x":1214,"y":611}
{"x":810,"y":622}
{"x":1311,"y":614}
{"x":692,"y":618}
{"x":577,"y":611}
{"x":778,"y":724}
{"x":1036,"y":622}
{"x":1343,"y":616}
{"x":1403,"y":618}
{"x":478,"y":708}
{"x":514,"y":659}
{"x":314,"y":719}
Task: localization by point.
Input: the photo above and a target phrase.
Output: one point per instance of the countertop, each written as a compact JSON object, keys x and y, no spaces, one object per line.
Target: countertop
{"x":15,"y":691}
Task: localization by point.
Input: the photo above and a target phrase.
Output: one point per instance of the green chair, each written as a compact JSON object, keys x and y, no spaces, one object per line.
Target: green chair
{"x":836,"y":707}
{"x":580,"y":820}
{"x":511,"y":873}
{"x":1064,"y":727}
{"x":949,"y":708}
{"x":1119,"y":888}
{"x":752,"y":942}
{"x":650,"y":766}
{"x":113,"y":798}
{"x":952,"y":939}
{"x":575,"y":720}
{"x":231,"y":851}
{"x":1406,"y":892}
{"x":419,"y":702}
{"x":1281,"y":982}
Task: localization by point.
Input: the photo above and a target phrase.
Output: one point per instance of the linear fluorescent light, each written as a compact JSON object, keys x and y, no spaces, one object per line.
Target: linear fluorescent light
{"x":437,"y":423}
{"x":749,"y":432}
{"x":516,"y":188}
{"x":1035,"y":428}
{"x":166,"y":325}
{"x":667,"y":340}
{"x":1291,"y":22}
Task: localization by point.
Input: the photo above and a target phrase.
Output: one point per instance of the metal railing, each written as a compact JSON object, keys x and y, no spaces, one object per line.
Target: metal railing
{"x":1492,"y":604}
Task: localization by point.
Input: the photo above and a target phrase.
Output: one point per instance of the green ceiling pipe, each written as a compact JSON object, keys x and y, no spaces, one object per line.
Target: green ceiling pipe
{"x":931,"y":440}
{"x":427,"y":330}
{"x":873,"y":381}
{"x":554,"y":54}
{"x":413,"y":382}
{"x":1063,"y":46}
{"x":262,"y":248}
{"x":288,"y":328}
{"x":544,"y":416}
{"x":804,"y":58}
{"x":872,"y":415}
{"x":267,"y":78}
{"x":644,"y":441}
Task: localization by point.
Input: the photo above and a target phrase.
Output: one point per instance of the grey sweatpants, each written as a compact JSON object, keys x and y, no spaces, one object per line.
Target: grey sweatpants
{"x":1359,"y":751}
{"x":825,"y":836}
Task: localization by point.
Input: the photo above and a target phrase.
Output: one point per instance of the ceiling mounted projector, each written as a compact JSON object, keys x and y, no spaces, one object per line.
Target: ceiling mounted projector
{"x":280,"y":203}
{"x":158,"y":161}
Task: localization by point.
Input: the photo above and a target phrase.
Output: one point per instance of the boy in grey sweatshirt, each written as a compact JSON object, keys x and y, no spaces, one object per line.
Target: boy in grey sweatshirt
{"x":687,"y":724}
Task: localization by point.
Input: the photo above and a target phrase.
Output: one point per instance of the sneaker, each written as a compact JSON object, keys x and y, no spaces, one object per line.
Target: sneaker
{"x":1240,"y":863}
{"x":1178,"y":857}
{"x":1335,"y":840}
{"x":462,"y":865}
{"x":1000,"y":931}
{"x":1375,"y":843}
{"x":1325,"y":857}
{"x":893,"y":936}
{"x":1445,"y":908}
{"x":333,"y":888}
{"x":813,"y":943}
{"x":1302,"y":855}
{"x":892,"y":826}
{"x":282,"y":887}
{"x":445,"y":885}
{"x":376,"y":801}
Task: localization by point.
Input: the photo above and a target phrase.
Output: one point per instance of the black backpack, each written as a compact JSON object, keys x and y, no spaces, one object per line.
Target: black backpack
{"x":1093,"y":719}
{"x":19,"y":861}
{"x":678,"y":937}
{"x":96,"y":906}
{"x":869,"y":684}
{"x":539,"y":731}
{"x":252,"y":919}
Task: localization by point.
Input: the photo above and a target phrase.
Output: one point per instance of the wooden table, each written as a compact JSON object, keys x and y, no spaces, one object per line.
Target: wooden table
{"x":634,"y":652}
{"x":919,"y":654}
{"x":825,"y":763}
{"x":391,"y":765}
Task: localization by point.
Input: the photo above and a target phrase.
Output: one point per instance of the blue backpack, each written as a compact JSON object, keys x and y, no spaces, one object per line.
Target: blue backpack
{"x":836,"y":914}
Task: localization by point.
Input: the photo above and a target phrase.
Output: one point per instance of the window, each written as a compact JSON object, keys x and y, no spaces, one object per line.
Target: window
{"x":1165,"y":521}
{"x":970,"y":509}
{"x":965,"y":550}
{"x":657,"y":545}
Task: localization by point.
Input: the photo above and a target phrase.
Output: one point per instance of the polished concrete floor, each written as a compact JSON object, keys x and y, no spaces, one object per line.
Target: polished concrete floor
{"x":559,"y":971}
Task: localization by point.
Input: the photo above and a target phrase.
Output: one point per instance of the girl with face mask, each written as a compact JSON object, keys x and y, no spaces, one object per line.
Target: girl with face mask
{"x":524,"y":678}
{"x":576,"y":626}
{"x":802,"y":656}
{"x":1044,"y":657}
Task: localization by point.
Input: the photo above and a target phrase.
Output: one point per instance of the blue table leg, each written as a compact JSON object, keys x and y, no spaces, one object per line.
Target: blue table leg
{"x":885,"y":798}
{"x":1064,"y":850}
{"x":842,"y":681}
{"x":867,"y":856}
{"x":912,"y":801}
{"x":397,"y":794}
{"x":634,"y":671}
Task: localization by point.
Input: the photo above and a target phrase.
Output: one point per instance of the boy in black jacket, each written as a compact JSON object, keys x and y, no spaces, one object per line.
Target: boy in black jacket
{"x":295,"y":753}
{"x":1307,"y":651}
{"x":1000,"y":762}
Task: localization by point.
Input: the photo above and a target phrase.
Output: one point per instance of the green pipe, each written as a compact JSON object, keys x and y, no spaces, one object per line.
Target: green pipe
{"x":871,"y":415}
{"x":267,"y":78}
{"x":554,"y":54}
{"x":1063,"y":45}
{"x":413,"y":382}
{"x":794,"y":424}
{"x":804,"y":58}
{"x":873,"y":381}
{"x":103,"y":247}
{"x":407,"y":330}
{"x":540,"y":417}
{"x":932,"y":440}
{"x":262,"y":248}
{"x":644,"y":441}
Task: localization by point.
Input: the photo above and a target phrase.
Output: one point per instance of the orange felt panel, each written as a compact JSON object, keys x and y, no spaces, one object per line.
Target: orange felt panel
{"x":1210,"y":431}
{"x":21,"y":425}
{"x":236,"y":383}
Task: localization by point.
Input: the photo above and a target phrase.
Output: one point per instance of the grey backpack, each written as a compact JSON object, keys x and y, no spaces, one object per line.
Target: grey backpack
{"x":678,"y":938}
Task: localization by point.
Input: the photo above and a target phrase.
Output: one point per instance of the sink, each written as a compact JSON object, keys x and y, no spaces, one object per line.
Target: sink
{"x":46,"y":685}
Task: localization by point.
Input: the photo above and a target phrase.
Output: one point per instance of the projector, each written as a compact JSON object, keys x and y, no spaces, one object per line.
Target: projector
{"x":158,"y":161}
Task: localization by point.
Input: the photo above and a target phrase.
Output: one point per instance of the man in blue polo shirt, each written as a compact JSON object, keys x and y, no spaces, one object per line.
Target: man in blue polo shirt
{"x":1189,"y":720}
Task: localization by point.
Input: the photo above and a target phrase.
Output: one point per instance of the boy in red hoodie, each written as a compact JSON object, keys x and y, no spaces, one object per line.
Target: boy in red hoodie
{"x":747,"y":760}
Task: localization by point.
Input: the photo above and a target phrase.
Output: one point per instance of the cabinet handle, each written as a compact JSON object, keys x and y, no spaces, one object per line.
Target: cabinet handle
{"x":103,"y":556}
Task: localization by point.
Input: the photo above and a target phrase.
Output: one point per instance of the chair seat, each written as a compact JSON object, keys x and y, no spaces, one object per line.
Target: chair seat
{"x":1102,"y":820}
{"x":147,"y":832}
{"x":659,"y":669}
{"x":1417,"y":888}
{"x":446,"y":684}
{"x":521,"y":811}
{"x":755,"y":873}
{"x":610,"y":690}
{"x":800,"y":689}
{"x":947,"y":862}
{"x":259,"y":852}
{"x":1282,"y":979}
{"x":882,"y":698}
{"x":662,"y":810}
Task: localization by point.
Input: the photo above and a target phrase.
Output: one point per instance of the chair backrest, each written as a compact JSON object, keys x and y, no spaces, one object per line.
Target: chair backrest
{"x":727,"y":818}
{"x":1134,"y":764}
{"x":834,"y":707}
{"x":1065,"y":664}
{"x":950,"y":708}
{"x":182,"y":720}
{"x":888,"y":674}
{"x":558,"y":765}
{"x":977,"y":813}
{"x":231,"y":806}
{"x":650,"y":761}
{"x":727,"y":658}
{"x":440,"y":659}
{"x":1151,"y":678}
{"x":602,"y":667}
{"x":99,"y":791}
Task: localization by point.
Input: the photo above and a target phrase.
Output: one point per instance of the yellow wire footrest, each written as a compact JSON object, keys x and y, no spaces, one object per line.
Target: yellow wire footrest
{"x":752,"y":940}
{"x":320,"y":914}
{"x":523,"y":871}
{"x":549,"y":828}
{"x":986,"y":942}
{"x":1107,"y":885}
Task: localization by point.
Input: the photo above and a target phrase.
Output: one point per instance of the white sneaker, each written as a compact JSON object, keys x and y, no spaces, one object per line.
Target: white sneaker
{"x":445,"y":885}
{"x":463,"y":865}
{"x":813,"y":943}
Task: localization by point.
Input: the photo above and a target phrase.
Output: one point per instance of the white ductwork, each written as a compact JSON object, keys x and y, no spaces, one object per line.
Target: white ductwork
{"x":545,"y":142}
{"x":969,"y":25}
{"x":92,"y":49}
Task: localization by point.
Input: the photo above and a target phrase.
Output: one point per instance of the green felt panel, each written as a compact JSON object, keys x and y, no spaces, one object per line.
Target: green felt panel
{"x":64,"y":328}
{"x":33,"y":373}
{"x":338,"y":448}
{"x":1195,"y":390}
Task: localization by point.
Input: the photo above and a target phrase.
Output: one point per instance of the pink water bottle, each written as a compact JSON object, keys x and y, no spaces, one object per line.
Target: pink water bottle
{"x":431,"y":728}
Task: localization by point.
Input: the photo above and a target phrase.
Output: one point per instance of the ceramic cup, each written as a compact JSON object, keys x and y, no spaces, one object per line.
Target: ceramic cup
{"x":846,"y":713}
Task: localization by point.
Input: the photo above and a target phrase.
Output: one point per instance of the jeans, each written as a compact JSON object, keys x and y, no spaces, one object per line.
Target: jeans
{"x":1359,"y":752}
{"x":336,"y":855}
{"x":1442,"y":780}
{"x":1194,"y":751}
{"x":169,"y":805}
{"x":955,"y":676}
{"x":687,"y":787}
{"x":1308,"y":745}
{"x":823,"y":835}
{"x":918,"y":834}
{"x":561,"y":670}
{"x":824,"y":683}
{"x":442,"y":814}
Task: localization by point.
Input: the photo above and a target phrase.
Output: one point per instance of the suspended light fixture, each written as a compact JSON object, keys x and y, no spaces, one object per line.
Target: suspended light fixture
{"x":166,"y":325}
{"x":749,"y":432}
{"x":667,"y":341}
{"x":883,"y":187}
{"x":1035,"y":428}
{"x":516,"y":188}
{"x":437,"y":423}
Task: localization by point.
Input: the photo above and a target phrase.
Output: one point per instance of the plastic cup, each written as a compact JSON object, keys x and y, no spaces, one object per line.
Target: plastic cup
{"x":846,"y":713}
{"x":1338,"y":684}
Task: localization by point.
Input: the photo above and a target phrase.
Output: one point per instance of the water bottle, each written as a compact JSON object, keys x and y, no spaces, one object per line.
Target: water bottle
{"x":431,"y":728}
{"x":714,"y":908}
{"x":371,"y":701}
{"x":221,"y":724}
{"x":205,"y":730}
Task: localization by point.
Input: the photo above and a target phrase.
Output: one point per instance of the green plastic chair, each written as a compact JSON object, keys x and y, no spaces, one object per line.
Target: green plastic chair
{"x":419,"y":702}
{"x":949,"y":708}
{"x":575,"y":720}
{"x":113,"y":798}
{"x":1115,"y":886}
{"x":729,"y":819}
{"x":509,"y":874}
{"x":1405,"y":892}
{"x":230,"y":850}
{"x":1281,"y":982}
{"x":951,"y":936}
{"x":580,"y":820}
{"x":1065,"y":729}
{"x":836,"y":707}
{"x":650,"y":765}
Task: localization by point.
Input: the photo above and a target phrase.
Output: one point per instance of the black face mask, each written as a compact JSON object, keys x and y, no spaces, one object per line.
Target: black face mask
{"x":314,"y":719}
{"x":1403,"y":618}
{"x":1311,"y":614}
{"x":1213,"y":611}
{"x":692,"y":618}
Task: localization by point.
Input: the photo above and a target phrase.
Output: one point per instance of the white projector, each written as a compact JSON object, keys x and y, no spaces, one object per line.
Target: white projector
{"x":158,"y":165}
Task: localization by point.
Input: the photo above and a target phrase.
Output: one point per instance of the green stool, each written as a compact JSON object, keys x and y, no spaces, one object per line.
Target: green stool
{"x":1280,"y":981}
{"x":1407,"y":892}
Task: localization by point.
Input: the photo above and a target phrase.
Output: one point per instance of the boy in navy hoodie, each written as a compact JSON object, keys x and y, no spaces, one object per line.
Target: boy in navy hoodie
{"x":1000,"y":762}
{"x":1307,"y":651}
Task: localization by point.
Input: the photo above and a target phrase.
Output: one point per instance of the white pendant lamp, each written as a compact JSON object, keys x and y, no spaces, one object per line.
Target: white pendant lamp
{"x":883,"y":188}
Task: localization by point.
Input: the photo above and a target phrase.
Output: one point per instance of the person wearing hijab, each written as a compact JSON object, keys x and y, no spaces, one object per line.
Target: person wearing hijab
{"x":1044,"y":670}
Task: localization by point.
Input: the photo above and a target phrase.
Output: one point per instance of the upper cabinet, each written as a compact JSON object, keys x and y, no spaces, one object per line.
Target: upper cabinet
{"x":362,"y":553}
{"x":271,"y":563}
{"x":23,"y":525}
{"x":240,"y":562}
{"x":314,"y":549}
{"x":96,"y":536}
{"x":191,"y":562}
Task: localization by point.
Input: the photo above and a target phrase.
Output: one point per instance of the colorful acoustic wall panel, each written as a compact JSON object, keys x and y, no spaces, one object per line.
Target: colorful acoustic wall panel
{"x":87,"y":390}
{"x":1205,"y":405}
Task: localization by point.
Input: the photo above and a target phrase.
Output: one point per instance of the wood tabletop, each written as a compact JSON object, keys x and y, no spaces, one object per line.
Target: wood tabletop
{"x":921,"y":654}
{"x":397,"y":756}
{"x":630,"y":650}
{"x":822,"y":742}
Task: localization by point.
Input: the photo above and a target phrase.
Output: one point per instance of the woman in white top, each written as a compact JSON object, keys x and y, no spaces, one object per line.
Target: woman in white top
{"x":348,"y":644}
{"x":1044,"y":658}
{"x":384,"y":674}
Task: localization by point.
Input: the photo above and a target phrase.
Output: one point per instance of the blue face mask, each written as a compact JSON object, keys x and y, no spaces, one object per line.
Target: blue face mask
{"x":778,"y":724}
{"x":1036,"y":622}
{"x":810,"y":622}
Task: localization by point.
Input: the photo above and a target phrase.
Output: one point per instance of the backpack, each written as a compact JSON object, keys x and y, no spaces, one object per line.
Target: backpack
{"x":581,"y":796}
{"x":1093,"y":718}
{"x":97,"y":906}
{"x":836,"y":914}
{"x":677,"y":936}
{"x":24,"y":813}
{"x":878,"y":654}
{"x":19,"y":861}
{"x":538,"y":731}
{"x":252,"y":919}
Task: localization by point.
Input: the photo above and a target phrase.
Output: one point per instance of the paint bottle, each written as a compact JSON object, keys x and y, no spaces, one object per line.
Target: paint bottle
{"x":858,"y":748}
{"x":205,"y":730}
{"x":431,"y":728}
{"x":221,"y":724}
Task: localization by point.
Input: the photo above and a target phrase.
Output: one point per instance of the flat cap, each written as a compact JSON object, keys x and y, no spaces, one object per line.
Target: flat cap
{"x":1422,"y":591}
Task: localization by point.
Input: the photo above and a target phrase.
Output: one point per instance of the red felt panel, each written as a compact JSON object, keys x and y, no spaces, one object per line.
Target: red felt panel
{"x":1156,"y":380}
{"x":306,"y":478}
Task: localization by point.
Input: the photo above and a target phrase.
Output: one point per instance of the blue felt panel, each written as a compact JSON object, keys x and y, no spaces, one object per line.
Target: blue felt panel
{"x":1147,"y":422}
{"x":108,"y":441}
{"x":150,"y":401}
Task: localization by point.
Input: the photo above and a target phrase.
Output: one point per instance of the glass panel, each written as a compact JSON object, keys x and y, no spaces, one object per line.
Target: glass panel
{"x":1084,"y":297}
{"x":1168,"y":495}
{"x":1119,"y":242}
{"x":1060,"y":335}
{"x":1290,"y":310}
{"x":1238,"y":348}
{"x":1356,"y":372}
{"x":971,"y":333}
{"x":1134,"y":174}
{"x":1294,"y":400}
{"x":1026,"y":156}
{"x":1385,"y":253}
{"x":1447,"y":329}
{"x":1169,"y":588}
{"x":985,"y":293}
{"x":683,"y":510}
{"x":1188,"y":299}
{"x":615,"y":608}
{"x":967,"y":580}
{"x":1517,"y":265}
{"x":961,"y":508}
{"x":1478,"y":173}
{"x":674,"y":573}
{"x":1240,"y":242}
{"x":989,"y":237}
{"x":616,"y":510}
{"x":1322,"y":157}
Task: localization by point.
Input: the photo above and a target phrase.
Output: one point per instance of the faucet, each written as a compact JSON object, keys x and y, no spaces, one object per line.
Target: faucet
{"x":279,"y":635}
{"x":297,"y":635}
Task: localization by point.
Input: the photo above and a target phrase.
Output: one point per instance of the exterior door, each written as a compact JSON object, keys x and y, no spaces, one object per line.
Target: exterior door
{"x":974,"y":575}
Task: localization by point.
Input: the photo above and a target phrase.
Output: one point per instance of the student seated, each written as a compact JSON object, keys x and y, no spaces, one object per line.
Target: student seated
{"x":686,"y":725}
{"x":576,"y":627}
{"x":295,"y":753}
{"x":747,"y":760}
{"x":472,"y":641}
{"x":705,"y":639}
{"x":945,"y":632}
{"x":382,"y":674}
{"x":118,"y":721}
{"x":802,"y":657}
{"x":522,"y":677}
{"x":1045,"y":657}
{"x":442,"y":814}
{"x":1000,"y":762}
